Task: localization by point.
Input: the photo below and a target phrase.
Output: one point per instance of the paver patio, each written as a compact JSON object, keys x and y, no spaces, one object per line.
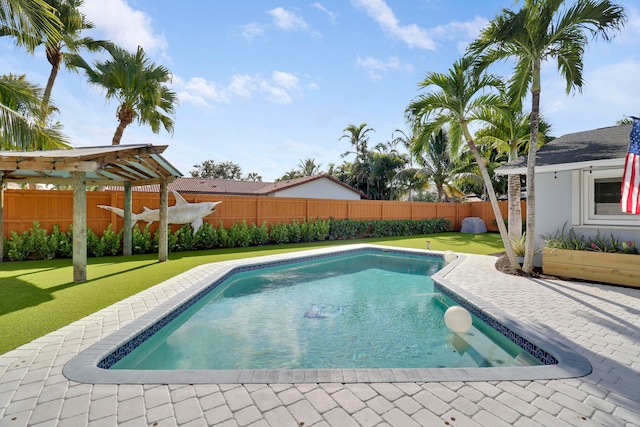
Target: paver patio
{"x":600,"y":322}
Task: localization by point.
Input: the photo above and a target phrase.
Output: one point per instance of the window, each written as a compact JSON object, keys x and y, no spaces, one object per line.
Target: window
{"x":602,"y":193}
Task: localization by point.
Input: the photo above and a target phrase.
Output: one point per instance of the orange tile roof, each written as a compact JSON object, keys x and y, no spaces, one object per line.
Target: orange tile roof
{"x":236,"y":188}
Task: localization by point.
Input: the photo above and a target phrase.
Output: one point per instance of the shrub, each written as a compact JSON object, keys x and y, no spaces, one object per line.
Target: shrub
{"x":63,"y":242}
{"x":207,"y":237}
{"x":44,"y":245}
{"x":223,"y":236}
{"x":260,"y":235}
{"x":94,"y":247}
{"x":358,"y":229}
{"x":172,"y":240}
{"x":322,"y":229}
{"x":19,"y":246}
{"x":186,"y":239}
{"x":295,"y":231}
{"x":141,"y":240}
{"x":279,"y":233}
{"x":240,"y":235}
{"x":112,"y":241}
{"x":108,"y":244}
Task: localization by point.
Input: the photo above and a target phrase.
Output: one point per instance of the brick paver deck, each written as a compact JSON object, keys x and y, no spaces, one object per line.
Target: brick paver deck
{"x":600,"y":322}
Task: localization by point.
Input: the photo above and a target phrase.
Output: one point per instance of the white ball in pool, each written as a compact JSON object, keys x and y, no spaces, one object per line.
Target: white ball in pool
{"x":450,"y":256}
{"x":458,"y":319}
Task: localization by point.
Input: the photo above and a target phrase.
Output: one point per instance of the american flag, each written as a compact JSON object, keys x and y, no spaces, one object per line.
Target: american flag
{"x":630,"y":201}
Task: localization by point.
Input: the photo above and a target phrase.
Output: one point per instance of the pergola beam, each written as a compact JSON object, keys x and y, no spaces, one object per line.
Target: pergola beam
{"x":49,"y":165}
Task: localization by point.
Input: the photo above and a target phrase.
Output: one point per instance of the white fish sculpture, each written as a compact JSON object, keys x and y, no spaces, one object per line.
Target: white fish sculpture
{"x":182,"y":212}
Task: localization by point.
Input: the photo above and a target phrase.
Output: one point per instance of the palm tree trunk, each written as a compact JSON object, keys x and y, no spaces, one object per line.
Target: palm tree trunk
{"x":515,"y":212}
{"x":492,"y":197}
{"x":530,"y":246}
{"x":117,"y":136}
{"x":54,"y":59}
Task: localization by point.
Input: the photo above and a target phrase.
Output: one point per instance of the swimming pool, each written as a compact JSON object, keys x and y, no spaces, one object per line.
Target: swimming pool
{"x":99,"y":364}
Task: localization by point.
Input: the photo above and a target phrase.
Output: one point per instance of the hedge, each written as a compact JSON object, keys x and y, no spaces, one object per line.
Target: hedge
{"x":37,"y":243}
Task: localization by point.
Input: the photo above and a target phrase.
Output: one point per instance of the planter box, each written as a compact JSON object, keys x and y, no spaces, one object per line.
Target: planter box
{"x":619,"y":269}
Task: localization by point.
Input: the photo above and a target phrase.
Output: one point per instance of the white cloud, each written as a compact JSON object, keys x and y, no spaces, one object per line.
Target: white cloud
{"x":249,"y":31}
{"x":198,"y":91}
{"x":242,"y":86}
{"x":286,"y":80}
{"x":124,"y":25}
{"x":321,"y":8}
{"x":467,"y":31}
{"x":376,"y":68}
{"x":412,"y":35}
{"x":287,"y":20}
{"x":280,"y":88}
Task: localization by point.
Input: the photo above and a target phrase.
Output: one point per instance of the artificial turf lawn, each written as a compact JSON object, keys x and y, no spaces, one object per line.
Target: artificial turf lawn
{"x":37,"y":297}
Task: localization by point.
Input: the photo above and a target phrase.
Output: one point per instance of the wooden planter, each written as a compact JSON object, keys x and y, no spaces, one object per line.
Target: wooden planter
{"x":619,"y":269}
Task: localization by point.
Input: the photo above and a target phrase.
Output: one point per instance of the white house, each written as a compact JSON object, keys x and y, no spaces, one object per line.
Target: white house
{"x":578,"y":183}
{"x":315,"y":187}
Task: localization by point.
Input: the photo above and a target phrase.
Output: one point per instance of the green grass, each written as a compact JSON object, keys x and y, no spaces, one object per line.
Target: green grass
{"x":38,"y":297}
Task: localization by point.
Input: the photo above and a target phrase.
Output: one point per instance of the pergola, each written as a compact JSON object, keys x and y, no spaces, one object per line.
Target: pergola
{"x":126,"y":165}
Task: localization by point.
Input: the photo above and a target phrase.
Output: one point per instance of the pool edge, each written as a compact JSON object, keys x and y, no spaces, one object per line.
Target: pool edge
{"x":83,"y":367}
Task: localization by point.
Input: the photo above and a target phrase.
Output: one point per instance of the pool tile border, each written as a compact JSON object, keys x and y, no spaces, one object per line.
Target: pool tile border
{"x":88,"y":366}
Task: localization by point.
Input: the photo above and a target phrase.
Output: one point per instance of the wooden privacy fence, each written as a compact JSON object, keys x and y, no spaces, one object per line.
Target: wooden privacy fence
{"x":23,"y":207}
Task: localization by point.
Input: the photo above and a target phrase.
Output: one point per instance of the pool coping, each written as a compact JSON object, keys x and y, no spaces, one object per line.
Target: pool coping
{"x":84,"y":367}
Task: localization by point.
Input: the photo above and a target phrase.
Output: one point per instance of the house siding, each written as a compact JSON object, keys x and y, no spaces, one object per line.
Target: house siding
{"x":560,"y":200}
{"x":319,"y":189}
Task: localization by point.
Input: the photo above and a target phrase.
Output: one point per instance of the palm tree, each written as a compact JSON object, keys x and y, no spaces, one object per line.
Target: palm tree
{"x":454,"y":103}
{"x":21,"y":115}
{"x":20,"y":102}
{"x":508,"y":131}
{"x":358,"y":139}
{"x":384,"y":164}
{"x":138,"y":85}
{"x":442,"y":166}
{"x":544,"y":30}
{"x":361,"y":167}
{"x":408,"y":178}
{"x":70,"y":43}
{"x":29,"y":21}
{"x":308,"y":167}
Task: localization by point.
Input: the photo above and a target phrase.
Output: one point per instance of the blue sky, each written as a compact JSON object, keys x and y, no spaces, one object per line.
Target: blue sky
{"x":266,"y":84}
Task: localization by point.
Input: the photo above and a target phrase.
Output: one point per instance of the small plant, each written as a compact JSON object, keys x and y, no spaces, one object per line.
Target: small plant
{"x":573,"y":241}
{"x":630,"y":247}
{"x":519,"y":245}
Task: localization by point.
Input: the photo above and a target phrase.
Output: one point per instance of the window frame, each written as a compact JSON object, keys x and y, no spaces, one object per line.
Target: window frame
{"x":589,"y":217}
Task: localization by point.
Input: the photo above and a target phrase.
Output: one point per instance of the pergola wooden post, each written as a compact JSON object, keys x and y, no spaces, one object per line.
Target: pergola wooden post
{"x":79,"y":226}
{"x":127,"y":230}
{"x":163,"y":227}
{"x":1,"y":217}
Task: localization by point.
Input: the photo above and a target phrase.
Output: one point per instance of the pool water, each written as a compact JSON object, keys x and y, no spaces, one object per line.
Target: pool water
{"x":360,"y":310}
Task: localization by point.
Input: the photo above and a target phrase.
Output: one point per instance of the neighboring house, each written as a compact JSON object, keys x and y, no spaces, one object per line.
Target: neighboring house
{"x":578,"y":183}
{"x":314,"y":187}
